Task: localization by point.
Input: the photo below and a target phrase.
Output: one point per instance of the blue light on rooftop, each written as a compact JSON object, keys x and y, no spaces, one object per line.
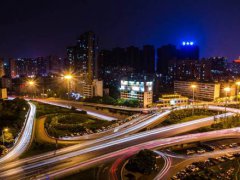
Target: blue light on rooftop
{"x":188,"y":43}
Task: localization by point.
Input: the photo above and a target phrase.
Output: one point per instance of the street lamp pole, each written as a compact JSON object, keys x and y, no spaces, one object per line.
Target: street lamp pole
{"x":226,"y":89}
{"x":193,"y":95}
{"x":68,"y":89}
{"x":68,"y":77}
{"x":32,"y":84}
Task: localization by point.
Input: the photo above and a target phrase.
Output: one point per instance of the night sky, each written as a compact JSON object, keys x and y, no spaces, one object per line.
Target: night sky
{"x":39,"y":28}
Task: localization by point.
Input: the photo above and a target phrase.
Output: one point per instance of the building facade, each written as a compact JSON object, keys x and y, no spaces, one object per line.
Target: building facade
{"x":141,"y":90}
{"x":83,"y":57}
{"x":94,"y":89}
{"x":172,"y":100}
{"x":2,"y":73}
{"x":3,"y":93}
{"x":203,"y":91}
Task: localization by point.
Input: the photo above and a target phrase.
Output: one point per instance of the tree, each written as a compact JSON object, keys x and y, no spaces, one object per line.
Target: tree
{"x":2,"y":148}
{"x":144,"y":162}
{"x":120,"y":102}
{"x":108,"y":100}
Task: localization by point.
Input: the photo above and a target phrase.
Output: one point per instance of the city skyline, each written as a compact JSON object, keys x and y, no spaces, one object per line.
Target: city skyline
{"x":39,"y":29}
{"x":119,"y":90}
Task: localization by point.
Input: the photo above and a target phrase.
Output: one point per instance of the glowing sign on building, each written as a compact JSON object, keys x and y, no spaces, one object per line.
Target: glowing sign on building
{"x":137,"y":86}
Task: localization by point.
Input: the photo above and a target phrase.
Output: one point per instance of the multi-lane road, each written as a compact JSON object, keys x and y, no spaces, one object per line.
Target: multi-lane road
{"x":55,"y":100}
{"x":109,"y":147}
{"x":68,"y":159}
{"x":69,"y":104}
{"x":110,"y":153}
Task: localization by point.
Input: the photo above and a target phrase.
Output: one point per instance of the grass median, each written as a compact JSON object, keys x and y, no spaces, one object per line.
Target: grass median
{"x":186,"y":115}
{"x":75,"y":124}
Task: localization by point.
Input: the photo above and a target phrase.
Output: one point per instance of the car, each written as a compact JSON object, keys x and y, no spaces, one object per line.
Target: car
{"x":233,"y":145}
{"x":222,"y":147}
{"x":189,"y":152}
{"x":201,"y":151}
{"x":229,"y":155}
{"x":175,"y":177}
{"x":220,"y":159}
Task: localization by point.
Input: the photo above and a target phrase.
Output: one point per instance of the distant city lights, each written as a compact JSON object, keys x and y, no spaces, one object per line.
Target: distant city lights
{"x":187,"y":43}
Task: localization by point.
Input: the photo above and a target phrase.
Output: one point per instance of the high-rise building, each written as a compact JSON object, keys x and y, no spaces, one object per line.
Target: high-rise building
{"x":13,"y":68}
{"x":21,"y":69}
{"x":188,"y":51}
{"x":219,"y":65}
{"x":83,"y":56}
{"x":26,"y":67}
{"x":141,"y":60}
{"x":119,"y":56}
{"x":234,"y":67}
{"x":10,"y":67}
{"x":164,"y":55}
{"x":133,"y":58}
{"x":148,"y":64}
{"x":42,"y":66}
{"x":105,"y":58}
{"x":184,"y":70}
{"x":2,"y":73}
{"x":55,"y":64}
{"x":6,"y":66}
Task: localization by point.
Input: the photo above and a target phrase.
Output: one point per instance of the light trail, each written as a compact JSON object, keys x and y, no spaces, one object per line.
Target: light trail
{"x":40,"y":161}
{"x":98,"y":115}
{"x":119,"y":142}
{"x":167,"y":165}
{"x":24,"y":139}
{"x":149,"y":145}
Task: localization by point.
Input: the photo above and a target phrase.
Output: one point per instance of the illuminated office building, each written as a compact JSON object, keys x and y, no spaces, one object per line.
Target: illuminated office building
{"x":137,"y":89}
{"x":204,"y":90}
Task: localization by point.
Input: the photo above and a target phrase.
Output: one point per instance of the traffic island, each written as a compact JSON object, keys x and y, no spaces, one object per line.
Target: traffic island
{"x":77,"y":124}
{"x":144,"y":165}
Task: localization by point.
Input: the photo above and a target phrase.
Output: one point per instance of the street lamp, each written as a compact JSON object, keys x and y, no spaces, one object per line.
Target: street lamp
{"x":193,"y":86}
{"x":4,"y":130}
{"x":238,"y":84}
{"x":68,"y":77}
{"x":32,"y":84}
{"x":227,"y":90}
